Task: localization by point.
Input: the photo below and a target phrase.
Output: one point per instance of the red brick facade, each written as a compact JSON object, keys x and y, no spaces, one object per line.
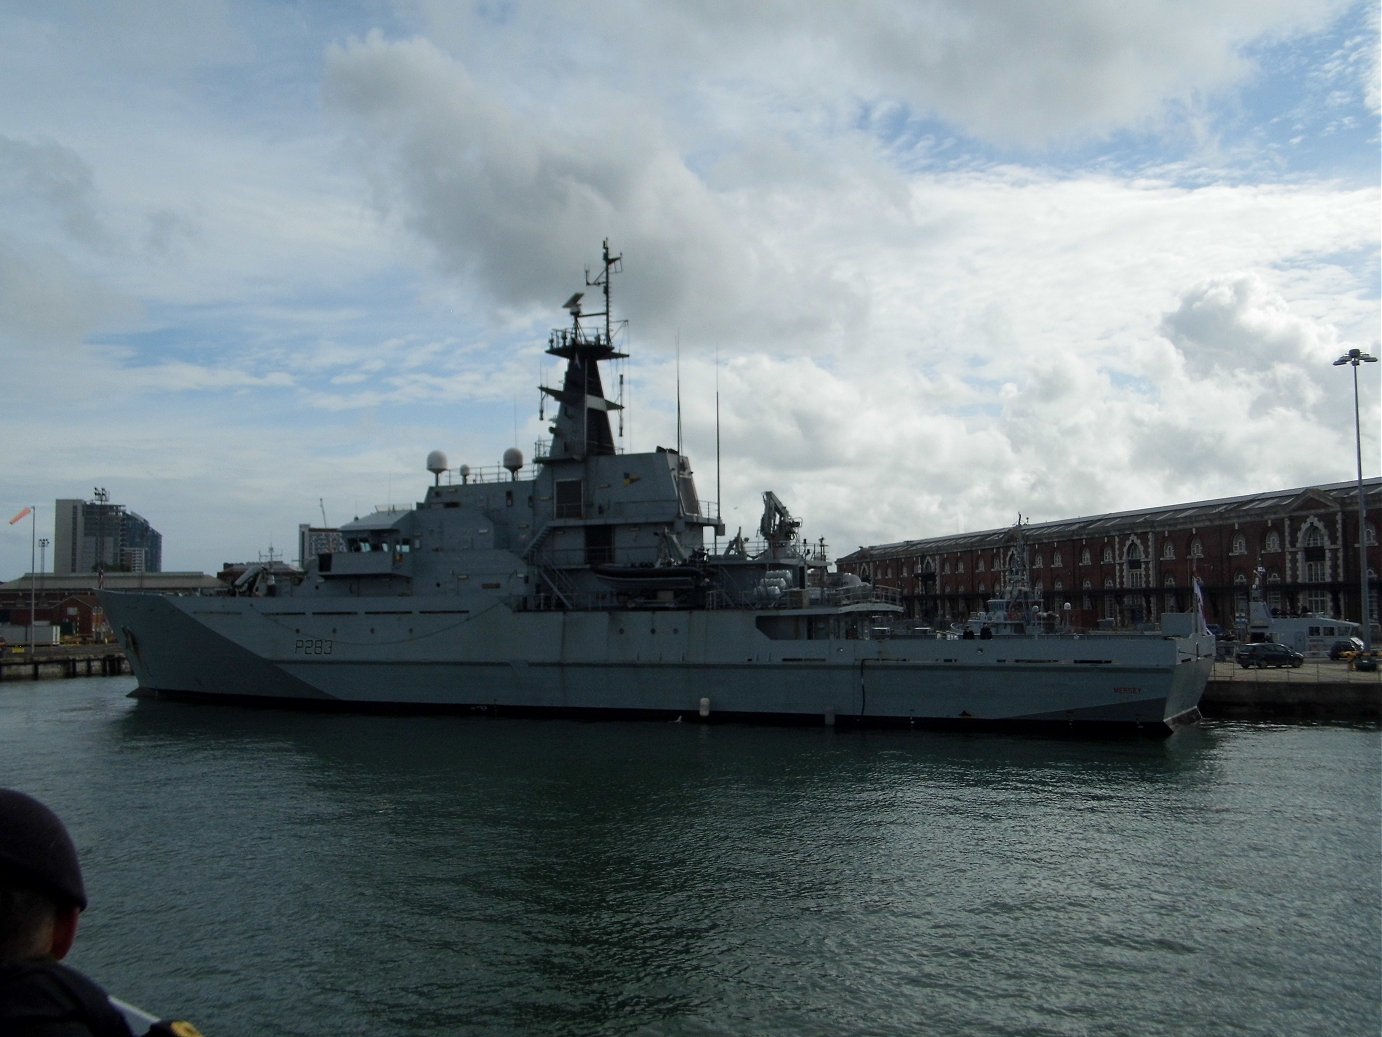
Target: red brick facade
{"x":1128,"y":568}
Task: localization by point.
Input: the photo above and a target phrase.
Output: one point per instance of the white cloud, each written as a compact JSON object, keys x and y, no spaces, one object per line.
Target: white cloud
{"x":257,"y":255}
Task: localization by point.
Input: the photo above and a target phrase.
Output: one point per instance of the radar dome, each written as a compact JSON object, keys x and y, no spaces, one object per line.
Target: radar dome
{"x":436,"y":464}
{"x":513,"y":460}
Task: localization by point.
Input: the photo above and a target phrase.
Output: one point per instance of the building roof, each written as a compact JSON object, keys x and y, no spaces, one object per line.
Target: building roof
{"x":1171,"y":516}
{"x":86,"y":583}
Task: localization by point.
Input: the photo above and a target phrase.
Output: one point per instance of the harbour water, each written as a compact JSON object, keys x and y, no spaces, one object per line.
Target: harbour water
{"x":271,"y":872}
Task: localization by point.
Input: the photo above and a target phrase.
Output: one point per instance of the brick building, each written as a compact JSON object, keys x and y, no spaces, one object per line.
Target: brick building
{"x":70,"y":602}
{"x":1127,"y":568}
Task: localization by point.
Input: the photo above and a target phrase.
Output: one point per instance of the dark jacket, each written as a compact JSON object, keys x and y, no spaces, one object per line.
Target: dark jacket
{"x":42,"y":998}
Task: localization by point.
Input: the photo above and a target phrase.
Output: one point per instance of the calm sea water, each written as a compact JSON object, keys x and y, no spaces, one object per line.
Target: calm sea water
{"x":263,"y":872}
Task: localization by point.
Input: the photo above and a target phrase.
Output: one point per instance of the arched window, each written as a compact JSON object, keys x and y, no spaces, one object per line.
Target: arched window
{"x":1084,"y":556}
{"x":1239,"y":545}
{"x":1136,"y":575}
{"x":1036,"y":560}
{"x":1056,"y":562}
{"x":1314,"y":554}
{"x":1369,"y":537}
{"x":1108,"y":553}
{"x":1168,"y":551}
{"x":1196,"y":548}
{"x":1273,"y":541}
{"x":979,"y":564}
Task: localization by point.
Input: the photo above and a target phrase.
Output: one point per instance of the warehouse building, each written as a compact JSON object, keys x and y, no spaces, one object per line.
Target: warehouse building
{"x":1126,"y":568}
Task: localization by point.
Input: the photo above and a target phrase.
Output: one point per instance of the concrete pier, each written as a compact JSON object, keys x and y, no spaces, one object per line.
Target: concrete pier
{"x":1321,"y":689}
{"x":63,"y":661}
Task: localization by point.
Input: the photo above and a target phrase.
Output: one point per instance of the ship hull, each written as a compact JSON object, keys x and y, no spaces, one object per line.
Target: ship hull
{"x":427,"y":655}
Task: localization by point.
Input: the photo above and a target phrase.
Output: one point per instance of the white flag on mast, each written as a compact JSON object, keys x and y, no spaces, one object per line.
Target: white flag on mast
{"x":1199,"y":606}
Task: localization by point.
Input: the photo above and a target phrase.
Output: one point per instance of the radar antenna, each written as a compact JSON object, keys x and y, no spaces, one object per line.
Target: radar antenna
{"x":610,"y":265}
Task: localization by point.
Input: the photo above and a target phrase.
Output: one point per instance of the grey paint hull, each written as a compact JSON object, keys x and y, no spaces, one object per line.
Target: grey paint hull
{"x":426,"y":654}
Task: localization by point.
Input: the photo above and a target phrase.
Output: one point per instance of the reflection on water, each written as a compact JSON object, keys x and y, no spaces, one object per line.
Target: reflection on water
{"x":296,"y":873}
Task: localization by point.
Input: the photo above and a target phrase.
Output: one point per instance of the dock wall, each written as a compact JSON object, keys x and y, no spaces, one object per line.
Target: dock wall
{"x":64,"y":661}
{"x":1319,"y":690}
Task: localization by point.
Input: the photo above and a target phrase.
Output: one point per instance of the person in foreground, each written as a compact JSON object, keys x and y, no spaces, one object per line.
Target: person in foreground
{"x":41,"y":899}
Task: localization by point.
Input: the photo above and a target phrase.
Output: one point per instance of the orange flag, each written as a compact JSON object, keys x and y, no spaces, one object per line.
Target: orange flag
{"x":20,"y":515}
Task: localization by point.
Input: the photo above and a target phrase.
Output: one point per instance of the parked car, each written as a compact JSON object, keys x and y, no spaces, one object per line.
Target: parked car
{"x":1347,"y":644}
{"x":1268,"y":653}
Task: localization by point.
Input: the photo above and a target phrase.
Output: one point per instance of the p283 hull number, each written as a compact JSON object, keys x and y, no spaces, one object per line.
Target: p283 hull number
{"x":312,"y":646}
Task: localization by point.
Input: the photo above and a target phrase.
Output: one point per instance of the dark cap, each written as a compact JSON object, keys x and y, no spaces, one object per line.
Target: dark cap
{"x":36,"y":850}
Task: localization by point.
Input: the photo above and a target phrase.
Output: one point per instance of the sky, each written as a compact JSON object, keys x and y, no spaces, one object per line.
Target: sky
{"x":916,"y":266}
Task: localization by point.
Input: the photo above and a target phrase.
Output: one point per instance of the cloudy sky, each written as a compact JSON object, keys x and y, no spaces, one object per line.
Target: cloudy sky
{"x":942,"y":262}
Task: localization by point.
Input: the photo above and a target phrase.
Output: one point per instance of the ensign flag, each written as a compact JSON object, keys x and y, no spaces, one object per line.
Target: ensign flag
{"x":20,"y":515}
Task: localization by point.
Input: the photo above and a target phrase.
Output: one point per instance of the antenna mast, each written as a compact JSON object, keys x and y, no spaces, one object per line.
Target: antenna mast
{"x":719,"y":513}
{"x":608,"y":265}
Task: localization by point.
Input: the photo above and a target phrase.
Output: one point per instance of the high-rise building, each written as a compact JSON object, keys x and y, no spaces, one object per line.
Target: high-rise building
{"x":90,"y":535}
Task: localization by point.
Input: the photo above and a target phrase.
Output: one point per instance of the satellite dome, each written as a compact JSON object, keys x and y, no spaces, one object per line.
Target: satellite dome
{"x":513,"y":460}
{"x":436,"y":462}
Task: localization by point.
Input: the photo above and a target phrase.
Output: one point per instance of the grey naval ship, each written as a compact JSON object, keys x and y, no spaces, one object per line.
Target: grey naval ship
{"x":590,"y":588}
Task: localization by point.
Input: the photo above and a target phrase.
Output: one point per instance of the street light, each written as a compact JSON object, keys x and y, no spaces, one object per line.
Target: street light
{"x":1354,"y":357}
{"x":101,"y":498}
{"x":42,"y":563}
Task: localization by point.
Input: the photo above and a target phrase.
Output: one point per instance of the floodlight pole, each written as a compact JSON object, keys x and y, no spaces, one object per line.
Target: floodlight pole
{"x":33,"y":595}
{"x":1354,"y":357}
{"x":43,"y":567}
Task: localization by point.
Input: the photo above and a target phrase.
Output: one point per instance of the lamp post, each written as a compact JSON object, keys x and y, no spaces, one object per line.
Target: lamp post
{"x":43,"y":566}
{"x":33,"y":597}
{"x":1353,"y":358}
{"x":101,"y":498}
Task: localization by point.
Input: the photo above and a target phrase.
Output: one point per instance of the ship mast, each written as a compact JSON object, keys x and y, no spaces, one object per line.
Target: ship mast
{"x":581,"y":428}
